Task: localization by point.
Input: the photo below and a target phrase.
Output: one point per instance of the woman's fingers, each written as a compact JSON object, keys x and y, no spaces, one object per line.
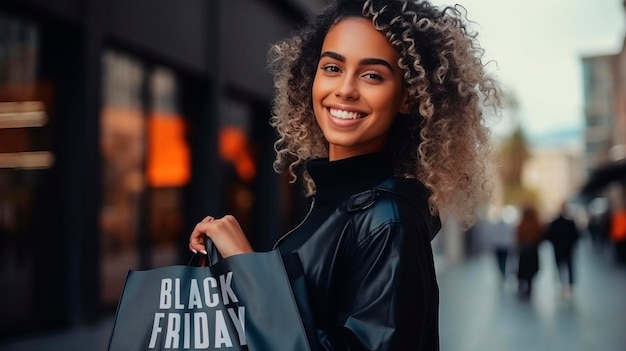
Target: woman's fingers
{"x":196,"y":240}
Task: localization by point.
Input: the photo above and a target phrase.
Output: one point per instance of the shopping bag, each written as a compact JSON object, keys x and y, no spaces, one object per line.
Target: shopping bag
{"x":243,"y":302}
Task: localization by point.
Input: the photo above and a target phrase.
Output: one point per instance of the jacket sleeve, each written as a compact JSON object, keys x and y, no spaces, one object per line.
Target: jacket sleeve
{"x":386,"y":293}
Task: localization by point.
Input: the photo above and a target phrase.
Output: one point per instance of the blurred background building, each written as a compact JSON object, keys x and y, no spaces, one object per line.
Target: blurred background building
{"x":122,"y":124}
{"x":556,"y":174}
{"x":605,"y":143}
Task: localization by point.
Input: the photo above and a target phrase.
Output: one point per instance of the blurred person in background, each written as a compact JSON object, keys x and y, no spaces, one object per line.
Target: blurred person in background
{"x":598,"y":229}
{"x":618,"y":234}
{"x":499,"y":237}
{"x":378,"y":110}
{"x":529,"y":233}
{"x":563,"y":234}
{"x":599,"y":223}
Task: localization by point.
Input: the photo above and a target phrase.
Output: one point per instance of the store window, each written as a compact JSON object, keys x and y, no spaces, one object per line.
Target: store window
{"x":145,"y":158}
{"x":167,"y":167}
{"x":236,"y":149}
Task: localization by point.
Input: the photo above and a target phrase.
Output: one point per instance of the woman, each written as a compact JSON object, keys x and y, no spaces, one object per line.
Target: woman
{"x":529,"y":234}
{"x":380,"y":101}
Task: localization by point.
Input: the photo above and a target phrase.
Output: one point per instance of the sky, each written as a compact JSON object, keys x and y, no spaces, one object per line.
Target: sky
{"x":538,"y":46}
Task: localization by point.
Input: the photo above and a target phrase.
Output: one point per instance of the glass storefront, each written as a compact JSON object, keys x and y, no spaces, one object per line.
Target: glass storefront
{"x":111,"y":149}
{"x":145,"y":167}
{"x":25,"y":155}
{"x":236,"y":149}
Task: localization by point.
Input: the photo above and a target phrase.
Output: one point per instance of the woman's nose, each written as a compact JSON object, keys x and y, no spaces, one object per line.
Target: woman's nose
{"x":347,"y":89}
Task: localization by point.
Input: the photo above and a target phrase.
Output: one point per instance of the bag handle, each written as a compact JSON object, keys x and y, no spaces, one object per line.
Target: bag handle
{"x":212,"y":257}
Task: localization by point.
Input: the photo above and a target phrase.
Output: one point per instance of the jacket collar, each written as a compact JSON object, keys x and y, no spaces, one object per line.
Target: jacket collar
{"x":414,"y":192}
{"x":336,"y":180}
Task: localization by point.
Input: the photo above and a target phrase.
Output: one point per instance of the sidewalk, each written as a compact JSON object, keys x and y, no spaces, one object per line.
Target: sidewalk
{"x":480,"y":314}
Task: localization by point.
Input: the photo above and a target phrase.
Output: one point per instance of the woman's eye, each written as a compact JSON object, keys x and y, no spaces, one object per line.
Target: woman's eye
{"x":373,"y":76}
{"x":330,"y":68}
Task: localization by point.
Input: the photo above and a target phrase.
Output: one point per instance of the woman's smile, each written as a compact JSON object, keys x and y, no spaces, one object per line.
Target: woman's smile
{"x":343,"y":114}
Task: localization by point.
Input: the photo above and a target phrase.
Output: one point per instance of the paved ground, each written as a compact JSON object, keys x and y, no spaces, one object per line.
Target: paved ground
{"x":480,"y":313}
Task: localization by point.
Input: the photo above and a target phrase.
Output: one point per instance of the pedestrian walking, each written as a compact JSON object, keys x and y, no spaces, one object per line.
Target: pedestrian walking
{"x":529,"y":234}
{"x":563,"y":234}
{"x":499,"y":238}
{"x":378,"y":110}
{"x":618,"y":234}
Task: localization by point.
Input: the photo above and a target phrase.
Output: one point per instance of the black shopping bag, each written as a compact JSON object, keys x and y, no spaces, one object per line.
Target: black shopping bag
{"x":243,"y":302}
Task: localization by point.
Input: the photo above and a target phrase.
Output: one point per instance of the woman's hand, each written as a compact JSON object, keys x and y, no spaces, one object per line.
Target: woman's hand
{"x":225,"y":233}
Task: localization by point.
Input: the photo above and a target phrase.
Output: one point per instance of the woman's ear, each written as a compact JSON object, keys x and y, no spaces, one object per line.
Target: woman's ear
{"x":404,"y":104}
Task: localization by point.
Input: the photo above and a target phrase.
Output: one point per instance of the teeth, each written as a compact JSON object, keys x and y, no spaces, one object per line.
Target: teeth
{"x":344,"y":114}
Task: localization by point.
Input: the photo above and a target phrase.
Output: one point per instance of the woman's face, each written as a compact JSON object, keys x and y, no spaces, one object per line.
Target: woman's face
{"x":357,"y":90}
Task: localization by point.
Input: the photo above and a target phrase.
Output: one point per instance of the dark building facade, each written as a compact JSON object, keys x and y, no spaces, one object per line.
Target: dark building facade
{"x":123,"y":123}
{"x":604,"y":81}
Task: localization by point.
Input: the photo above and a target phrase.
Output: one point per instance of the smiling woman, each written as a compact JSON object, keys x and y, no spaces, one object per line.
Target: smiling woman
{"x":357,"y":90}
{"x":380,"y":101}
{"x":443,"y":78}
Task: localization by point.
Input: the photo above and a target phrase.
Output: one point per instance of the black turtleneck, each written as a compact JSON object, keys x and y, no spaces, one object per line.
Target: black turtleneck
{"x":335,"y":181}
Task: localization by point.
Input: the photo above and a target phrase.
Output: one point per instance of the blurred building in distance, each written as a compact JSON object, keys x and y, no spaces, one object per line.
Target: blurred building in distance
{"x":605,"y":112}
{"x":556,"y":174}
{"x":122,"y":124}
{"x":600,"y":114}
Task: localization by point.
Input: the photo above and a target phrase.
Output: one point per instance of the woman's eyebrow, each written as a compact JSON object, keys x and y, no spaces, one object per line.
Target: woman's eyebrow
{"x":376,"y":61}
{"x":365,"y":61}
{"x":333,"y":55}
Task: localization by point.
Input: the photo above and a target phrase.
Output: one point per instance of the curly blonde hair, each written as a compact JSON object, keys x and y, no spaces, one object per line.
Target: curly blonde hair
{"x":444,"y":142}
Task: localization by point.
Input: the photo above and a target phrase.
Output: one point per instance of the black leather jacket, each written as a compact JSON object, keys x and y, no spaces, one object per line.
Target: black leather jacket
{"x":370,"y":273}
